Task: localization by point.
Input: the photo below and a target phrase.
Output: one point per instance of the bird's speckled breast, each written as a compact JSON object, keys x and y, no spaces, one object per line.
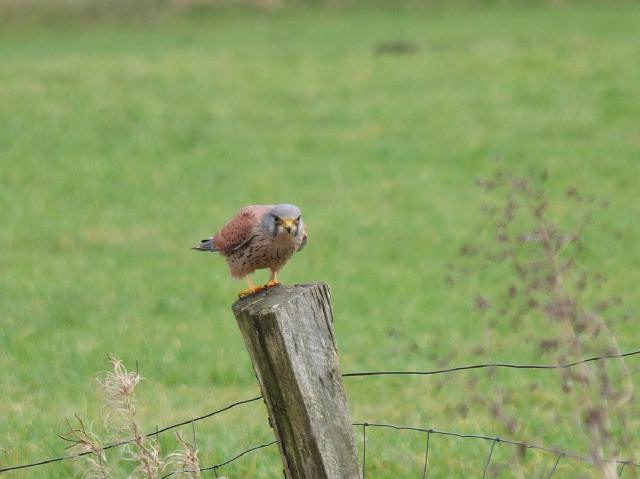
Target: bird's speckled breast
{"x":261,"y":252}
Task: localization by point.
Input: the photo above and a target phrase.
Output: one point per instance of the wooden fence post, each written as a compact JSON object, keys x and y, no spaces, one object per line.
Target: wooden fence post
{"x":289,"y":335}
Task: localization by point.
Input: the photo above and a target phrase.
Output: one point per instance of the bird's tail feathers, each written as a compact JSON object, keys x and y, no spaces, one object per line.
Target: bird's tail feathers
{"x":206,"y":245}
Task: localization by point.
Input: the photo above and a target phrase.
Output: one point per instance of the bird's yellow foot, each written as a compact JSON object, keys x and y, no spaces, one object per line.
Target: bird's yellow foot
{"x":249,"y":291}
{"x":271,"y":283}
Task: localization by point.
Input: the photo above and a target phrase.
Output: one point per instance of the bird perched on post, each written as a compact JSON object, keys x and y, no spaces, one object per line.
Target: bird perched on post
{"x":259,"y":237}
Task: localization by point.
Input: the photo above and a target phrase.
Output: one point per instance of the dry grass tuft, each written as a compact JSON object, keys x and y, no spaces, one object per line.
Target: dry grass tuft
{"x":84,"y":441}
{"x":185,"y":459}
{"x":120,"y":417}
{"x":119,"y":388}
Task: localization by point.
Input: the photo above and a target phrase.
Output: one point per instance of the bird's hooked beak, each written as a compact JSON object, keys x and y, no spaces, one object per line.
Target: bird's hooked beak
{"x":289,"y":225}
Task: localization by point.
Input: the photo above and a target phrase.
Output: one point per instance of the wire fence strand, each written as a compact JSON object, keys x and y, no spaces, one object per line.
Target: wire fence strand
{"x":621,"y":470}
{"x":486,"y":467}
{"x":555,"y":466}
{"x":491,"y":365}
{"x":426,"y":456}
{"x":523,"y":444}
{"x":220,"y":465}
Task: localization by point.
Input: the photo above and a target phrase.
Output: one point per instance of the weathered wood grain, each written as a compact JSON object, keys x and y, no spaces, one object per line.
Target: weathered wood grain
{"x":288,"y":332}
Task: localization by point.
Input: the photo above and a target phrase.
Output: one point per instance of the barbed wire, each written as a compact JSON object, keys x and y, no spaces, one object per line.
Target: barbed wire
{"x":346,"y":375}
{"x":495,"y":440}
{"x":492,"y":365}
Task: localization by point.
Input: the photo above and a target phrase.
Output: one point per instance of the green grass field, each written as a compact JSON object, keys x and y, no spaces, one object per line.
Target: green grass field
{"x":122,"y":143}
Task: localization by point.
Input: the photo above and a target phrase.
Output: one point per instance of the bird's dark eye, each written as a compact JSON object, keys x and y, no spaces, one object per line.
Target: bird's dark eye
{"x":277,"y":220}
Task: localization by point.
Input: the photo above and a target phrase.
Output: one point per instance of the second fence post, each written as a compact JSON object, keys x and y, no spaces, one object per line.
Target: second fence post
{"x":288,"y":332}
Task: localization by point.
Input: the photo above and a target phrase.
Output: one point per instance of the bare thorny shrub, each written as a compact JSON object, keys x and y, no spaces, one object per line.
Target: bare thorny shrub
{"x":543,"y":283}
{"x":120,"y":417}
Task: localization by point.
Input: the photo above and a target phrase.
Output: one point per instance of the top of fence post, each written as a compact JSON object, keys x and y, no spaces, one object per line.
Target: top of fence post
{"x":288,"y":332}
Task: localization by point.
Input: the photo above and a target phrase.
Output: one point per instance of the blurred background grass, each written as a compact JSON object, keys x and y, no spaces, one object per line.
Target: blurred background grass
{"x":128,"y":133}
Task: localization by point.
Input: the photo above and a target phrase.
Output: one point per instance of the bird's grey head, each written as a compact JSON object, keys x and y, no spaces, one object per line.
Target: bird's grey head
{"x":283,"y":219}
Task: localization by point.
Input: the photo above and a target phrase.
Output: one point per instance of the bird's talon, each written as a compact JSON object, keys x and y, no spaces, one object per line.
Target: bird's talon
{"x":272,"y":283}
{"x":250,"y":291}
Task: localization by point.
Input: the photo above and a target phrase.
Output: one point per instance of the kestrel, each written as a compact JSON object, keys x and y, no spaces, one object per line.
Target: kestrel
{"x":259,"y":237}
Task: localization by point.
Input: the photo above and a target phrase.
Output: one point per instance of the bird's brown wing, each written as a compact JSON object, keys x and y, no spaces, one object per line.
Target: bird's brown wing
{"x":301,"y":240}
{"x":240,"y":230}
